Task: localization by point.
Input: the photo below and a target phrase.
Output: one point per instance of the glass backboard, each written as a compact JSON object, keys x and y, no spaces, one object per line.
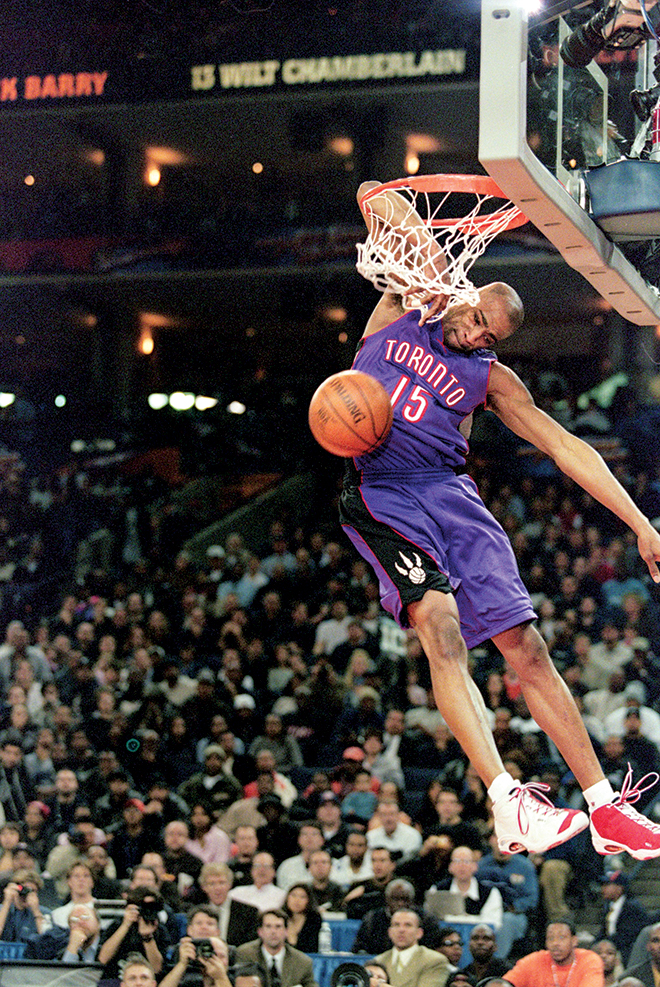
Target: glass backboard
{"x":546,"y":129}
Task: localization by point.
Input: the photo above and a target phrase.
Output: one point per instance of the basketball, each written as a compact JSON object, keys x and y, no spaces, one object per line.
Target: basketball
{"x":350,"y":413}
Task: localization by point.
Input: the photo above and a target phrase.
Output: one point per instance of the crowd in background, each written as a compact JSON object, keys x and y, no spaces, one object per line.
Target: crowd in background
{"x":257,"y":713}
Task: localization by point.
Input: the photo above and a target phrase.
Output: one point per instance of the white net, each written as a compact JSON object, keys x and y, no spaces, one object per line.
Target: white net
{"x":413,"y":250}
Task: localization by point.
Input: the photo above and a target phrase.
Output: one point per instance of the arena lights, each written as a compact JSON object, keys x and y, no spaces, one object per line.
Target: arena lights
{"x":236,"y":408}
{"x":6,"y":398}
{"x":181,"y":401}
{"x":60,"y":401}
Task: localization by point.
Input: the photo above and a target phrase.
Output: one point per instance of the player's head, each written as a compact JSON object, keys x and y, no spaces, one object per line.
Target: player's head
{"x":497,"y":315}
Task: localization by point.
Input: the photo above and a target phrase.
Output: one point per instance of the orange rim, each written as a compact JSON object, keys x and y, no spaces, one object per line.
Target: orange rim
{"x":478,"y":184}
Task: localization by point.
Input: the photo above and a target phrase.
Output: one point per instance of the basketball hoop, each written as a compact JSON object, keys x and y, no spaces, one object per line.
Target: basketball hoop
{"x":402,"y":256}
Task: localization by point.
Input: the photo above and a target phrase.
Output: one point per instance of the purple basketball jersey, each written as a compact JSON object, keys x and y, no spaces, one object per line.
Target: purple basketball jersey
{"x":433,"y":389}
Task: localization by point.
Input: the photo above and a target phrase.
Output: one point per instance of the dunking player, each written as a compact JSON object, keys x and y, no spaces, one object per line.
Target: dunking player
{"x":444,"y":564}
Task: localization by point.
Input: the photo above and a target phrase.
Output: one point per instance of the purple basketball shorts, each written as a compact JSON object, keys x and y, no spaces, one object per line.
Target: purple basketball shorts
{"x":433,"y":531}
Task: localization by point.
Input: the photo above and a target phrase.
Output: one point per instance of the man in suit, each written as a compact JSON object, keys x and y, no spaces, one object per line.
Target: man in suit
{"x":237,"y":922}
{"x":408,"y":964}
{"x":625,"y":917}
{"x":648,"y":971}
{"x":284,"y":965}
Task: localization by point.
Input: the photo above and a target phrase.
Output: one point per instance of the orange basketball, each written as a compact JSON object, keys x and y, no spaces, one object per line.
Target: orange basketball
{"x":350,"y":413}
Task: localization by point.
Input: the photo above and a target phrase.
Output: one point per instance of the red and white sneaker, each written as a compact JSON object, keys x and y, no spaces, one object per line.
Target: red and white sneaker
{"x":526,"y":820}
{"x":617,"y":826}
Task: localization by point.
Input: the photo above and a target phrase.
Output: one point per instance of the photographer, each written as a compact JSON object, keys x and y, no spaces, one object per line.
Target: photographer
{"x":139,"y":931}
{"x":21,"y":915}
{"x":201,"y":957}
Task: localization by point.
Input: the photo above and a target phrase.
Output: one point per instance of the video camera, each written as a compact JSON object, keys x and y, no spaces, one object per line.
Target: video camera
{"x":614,"y":27}
{"x":149,"y":902}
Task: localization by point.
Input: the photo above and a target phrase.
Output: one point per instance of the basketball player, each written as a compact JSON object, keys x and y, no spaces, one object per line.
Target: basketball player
{"x":445,"y":565}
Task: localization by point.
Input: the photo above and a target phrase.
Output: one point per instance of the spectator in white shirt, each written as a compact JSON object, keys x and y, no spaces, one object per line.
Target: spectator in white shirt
{"x":296,"y":869}
{"x":397,"y":837}
{"x":355,"y":865}
{"x":262,"y":893}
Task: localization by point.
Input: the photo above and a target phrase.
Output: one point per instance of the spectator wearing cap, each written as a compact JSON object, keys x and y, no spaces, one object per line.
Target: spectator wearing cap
{"x":262,"y":893}
{"x":400,"y":838}
{"x":625,"y":917}
{"x":295,"y":869}
{"x":134,"y":836}
{"x":335,"y":831}
{"x":212,"y":785}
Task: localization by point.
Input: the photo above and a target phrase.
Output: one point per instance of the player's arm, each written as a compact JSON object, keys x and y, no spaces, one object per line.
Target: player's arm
{"x":391,"y":210}
{"x":511,"y":401}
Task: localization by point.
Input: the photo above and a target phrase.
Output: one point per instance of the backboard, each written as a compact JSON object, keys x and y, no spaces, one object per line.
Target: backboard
{"x":543,"y":124}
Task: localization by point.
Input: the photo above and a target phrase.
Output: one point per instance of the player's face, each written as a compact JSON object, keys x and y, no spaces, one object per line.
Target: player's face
{"x":472,"y":327}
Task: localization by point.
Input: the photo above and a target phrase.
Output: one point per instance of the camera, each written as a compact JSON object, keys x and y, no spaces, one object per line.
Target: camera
{"x":203,"y":948}
{"x":22,"y":891}
{"x":350,"y":975}
{"x":149,"y":911}
{"x":614,"y":27}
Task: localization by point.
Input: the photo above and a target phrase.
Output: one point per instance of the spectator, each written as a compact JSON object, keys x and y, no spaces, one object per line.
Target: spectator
{"x":369,"y":894}
{"x":407,"y":963}
{"x":355,"y":865}
{"x":482,"y":900}
{"x":139,"y":930}
{"x":373,"y":934}
{"x":295,"y":869}
{"x":515,"y":876}
{"x":303,"y":918}
{"x":560,"y":958}
{"x":451,"y":946}
{"x":212,"y":785}
{"x":246,"y":844}
{"x":237,"y":921}
{"x":80,"y":881}
{"x":98,"y":861}
{"x":625,"y":917}
{"x":335,"y":832}
{"x":612,"y":965}
{"x":193,"y":967}
{"x":450,"y":823}
{"x":399,"y":838}
{"x":285,"y":965}
{"x":178,"y":861}
{"x":282,"y":786}
{"x":262,"y":893}
{"x":278,"y":835}
{"x":284,"y":748}
{"x":15,"y":786}
{"x":38,"y":834}
{"x":328,"y":896}
{"x":78,"y":942}
{"x":21,"y":913}
{"x":134,"y":836}
{"x":208,"y":842}
{"x":482,"y":946}
{"x":361,"y":803}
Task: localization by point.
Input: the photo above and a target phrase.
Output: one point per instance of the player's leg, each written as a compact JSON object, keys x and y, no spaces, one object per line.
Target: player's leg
{"x":435,"y":618}
{"x":615,"y":824}
{"x":550,"y":701}
{"x":522,"y":822}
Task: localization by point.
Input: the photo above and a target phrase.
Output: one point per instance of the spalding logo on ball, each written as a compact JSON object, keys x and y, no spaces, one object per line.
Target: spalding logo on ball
{"x":350,"y":413}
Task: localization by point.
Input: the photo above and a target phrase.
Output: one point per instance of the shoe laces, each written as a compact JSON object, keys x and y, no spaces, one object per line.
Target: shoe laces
{"x":630,"y":794}
{"x":534,"y":790}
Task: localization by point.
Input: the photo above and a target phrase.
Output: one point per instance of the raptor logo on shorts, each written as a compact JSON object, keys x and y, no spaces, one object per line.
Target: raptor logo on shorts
{"x":413,"y":570}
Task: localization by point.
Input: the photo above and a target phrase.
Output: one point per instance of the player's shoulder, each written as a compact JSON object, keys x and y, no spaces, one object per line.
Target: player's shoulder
{"x":387,"y":311}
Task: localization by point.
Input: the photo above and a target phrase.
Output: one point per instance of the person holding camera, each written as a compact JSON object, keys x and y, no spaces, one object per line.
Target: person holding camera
{"x":21,"y":915}
{"x":138,"y":931}
{"x":201,"y":957}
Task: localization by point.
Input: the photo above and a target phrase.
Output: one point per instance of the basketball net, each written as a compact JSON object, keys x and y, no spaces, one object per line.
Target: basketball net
{"x":402,"y":254}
